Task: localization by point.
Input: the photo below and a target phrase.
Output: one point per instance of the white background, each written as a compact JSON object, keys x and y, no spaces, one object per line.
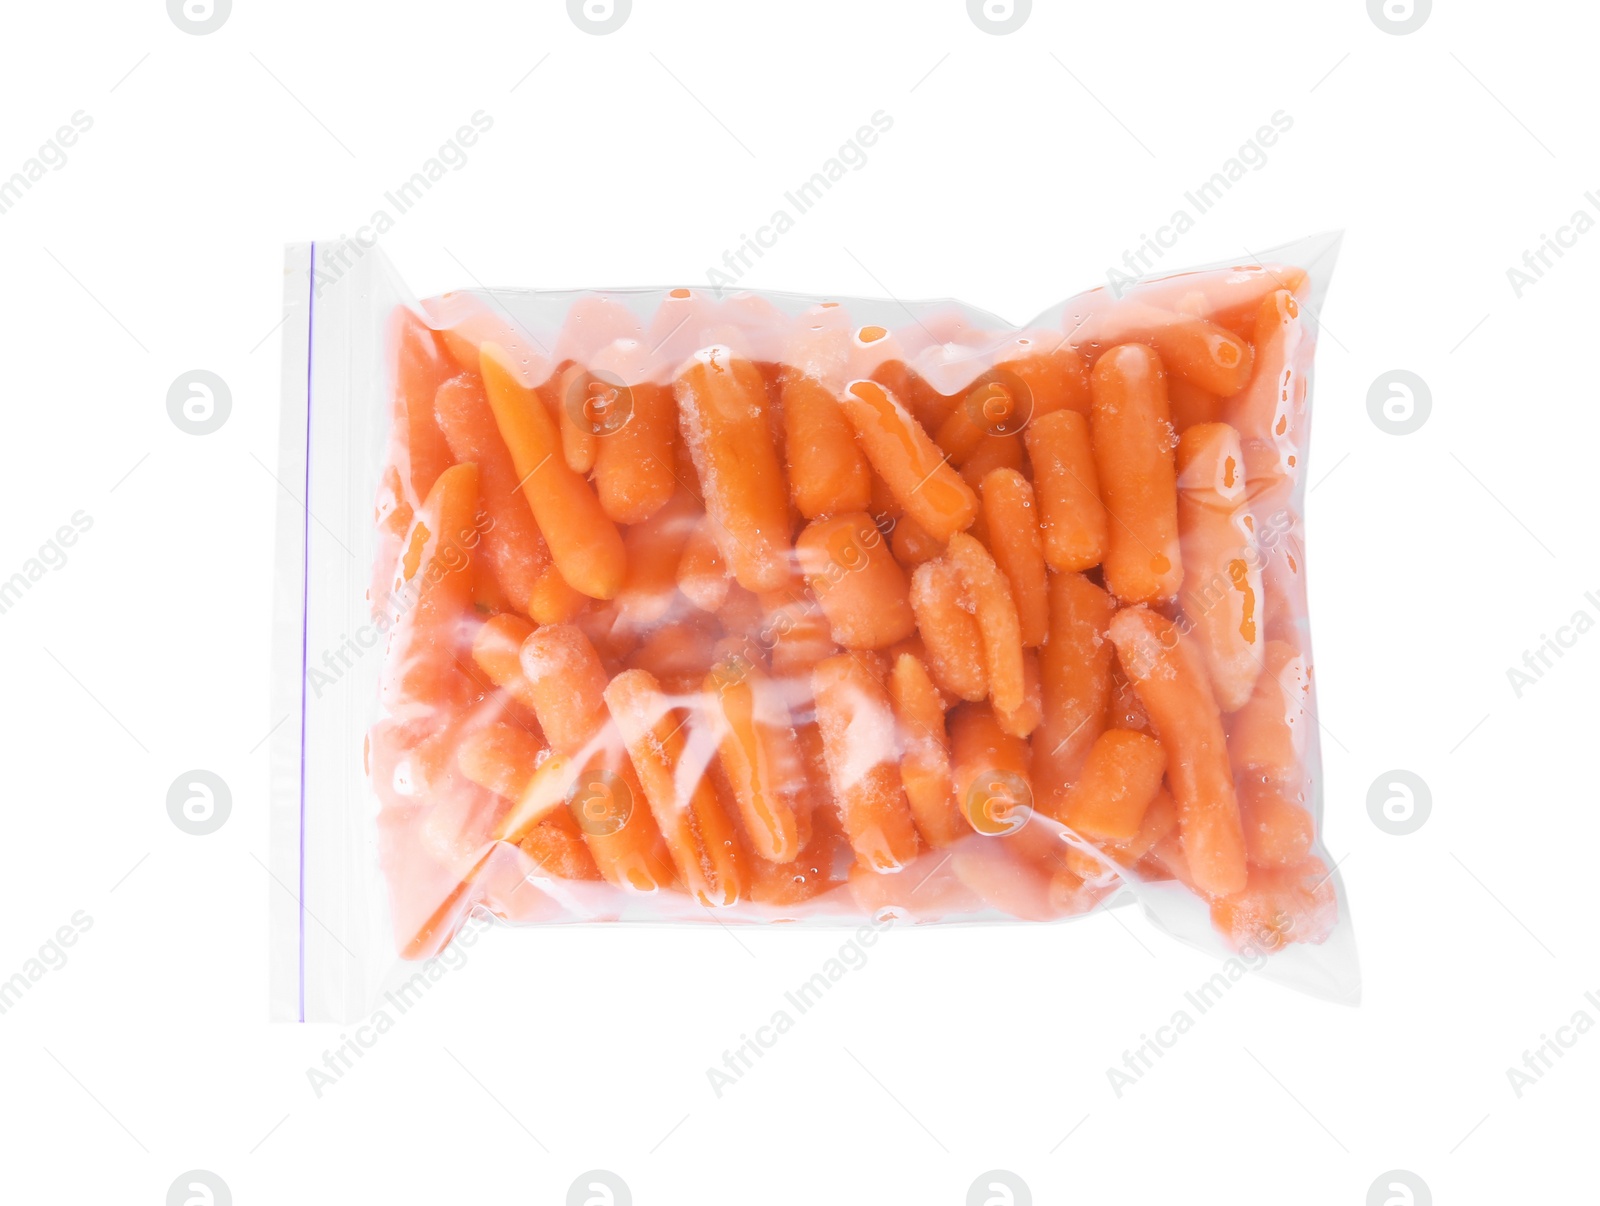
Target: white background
{"x":1019,"y":168}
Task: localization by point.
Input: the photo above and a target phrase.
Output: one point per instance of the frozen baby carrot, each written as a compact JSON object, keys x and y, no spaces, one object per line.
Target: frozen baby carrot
{"x":911,"y":464}
{"x":555,"y":847}
{"x":1075,"y":681}
{"x":1011,"y":517}
{"x":699,"y":835}
{"x":581,"y":401}
{"x":1004,"y":880}
{"x":584,"y":544}
{"x":925,"y":764}
{"x":1170,"y":677}
{"x":949,"y":629}
{"x":856,"y":720}
{"x":678,"y":655}
{"x":1280,"y":905}
{"x":1056,"y":377}
{"x":1222,"y":591}
{"x":655,"y":551}
{"x":435,"y":631}
{"x":500,"y":757}
{"x":722,"y":408}
{"x":566,"y":679}
{"x":1132,"y":437}
{"x":1268,"y":735}
{"x":1191,"y":405}
{"x":541,"y":795}
{"x":554,"y":602}
{"x":827,"y":471}
{"x":999,"y":631}
{"x":1072,"y":519}
{"x":568,"y":684}
{"x":912,"y":546}
{"x":420,"y":368}
{"x":1120,"y":779}
{"x":633,"y":462}
{"x":512,"y":544}
{"x":861,"y":587}
{"x":762,"y":760}
{"x":998,"y":403}
{"x":990,"y":770}
{"x":497,"y":649}
{"x":1203,"y":354}
{"x":702,"y":573}
{"x":996,"y":452}
{"x":1160,"y":820}
{"x":1277,"y":829}
{"x":1269,"y":402}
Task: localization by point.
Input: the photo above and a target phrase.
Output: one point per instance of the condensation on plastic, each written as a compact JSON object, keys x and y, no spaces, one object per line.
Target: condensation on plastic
{"x":382,"y":847}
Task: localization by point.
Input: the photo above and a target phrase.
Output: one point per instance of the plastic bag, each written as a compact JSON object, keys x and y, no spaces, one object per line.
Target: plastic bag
{"x":665,"y":605}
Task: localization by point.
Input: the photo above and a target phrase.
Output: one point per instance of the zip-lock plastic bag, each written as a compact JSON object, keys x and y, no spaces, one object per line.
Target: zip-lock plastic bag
{"x":677,"y":605}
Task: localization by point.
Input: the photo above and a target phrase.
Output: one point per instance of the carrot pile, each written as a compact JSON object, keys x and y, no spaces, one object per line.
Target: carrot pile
{"x":722,"y":607}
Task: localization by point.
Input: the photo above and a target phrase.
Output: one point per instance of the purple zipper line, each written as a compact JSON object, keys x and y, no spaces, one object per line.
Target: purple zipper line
{"x":305,"y":608}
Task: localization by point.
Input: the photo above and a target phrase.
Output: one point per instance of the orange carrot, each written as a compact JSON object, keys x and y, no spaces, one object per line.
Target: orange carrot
{"x":827,"y":471}
{"x":1012,"y":518}
{"x":1120,"y":779}
{"x":949,"y":631}
{"x":990,"y":770}
{"x":996,"y":452}
{"x":1075,"y":677}
{"x":699,"y":835}
{"x":1167,"y":671}
{"x":420,"y":368}
{"x":1202,"y":353}
{"x":513,"y":546}
{"x":555,"y":846}
{"x":1056,"y":379}
{"x":912,"y":546}
{"x":500,"y":757}
{"x":1267,"y":737}
{"x":925,"y":764}
{"x":1160,"y":821}
{"x":1279,"y":905}
{"x":702,"y":573}
{"x":655,"y":551}
{"x":553,"y":601}
{"x":1132,"y":437}
{"x":497,"y":649}
{"x":584,"y":544}
{"x":566,"y":680}
{"x":1028,"y":715}
{"x":435,"y":630}
{"x":1269,"y":405}
{"x":722,"y":407}
{"x":999,"y":631}
{"x":1072,"y":518}
{"x":581,"y":403}
{"x":762,"y":759}
{"x":861,"y":587}
{"x":795,"y":632}
{"x":633,"y":463}
{"x":1192,"y":405}
{"x":916,"y":472}
{"x":1222,"y":592}
{"x":1277,"y":828}
{"x":856,"y":720}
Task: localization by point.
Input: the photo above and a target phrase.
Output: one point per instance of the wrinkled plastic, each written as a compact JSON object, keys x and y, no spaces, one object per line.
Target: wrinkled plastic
{"x":664,"y":605}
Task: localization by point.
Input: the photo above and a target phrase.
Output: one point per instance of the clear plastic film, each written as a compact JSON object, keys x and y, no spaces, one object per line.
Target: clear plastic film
{"x":678,"y":606}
